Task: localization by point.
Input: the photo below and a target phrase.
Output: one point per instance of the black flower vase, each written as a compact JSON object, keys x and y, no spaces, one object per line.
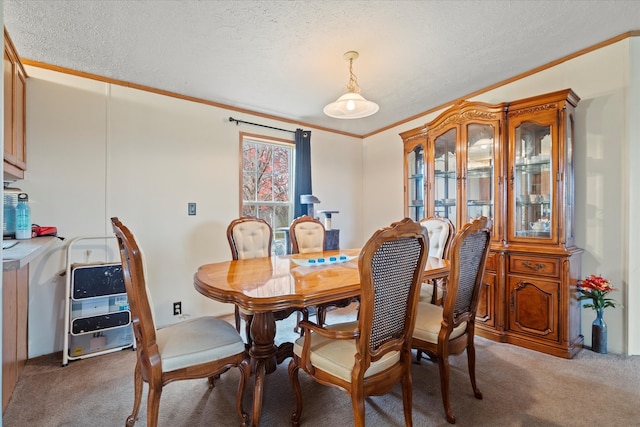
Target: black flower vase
{"x":599,"y":333}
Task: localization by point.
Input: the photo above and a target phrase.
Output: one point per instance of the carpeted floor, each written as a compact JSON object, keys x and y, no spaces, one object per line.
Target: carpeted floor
{"x":520,"y":388}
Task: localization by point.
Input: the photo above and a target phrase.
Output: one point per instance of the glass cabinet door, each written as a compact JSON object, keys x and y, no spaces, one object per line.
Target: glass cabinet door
{"x":532,"y":184}
{"x":480,"y":165}
{"x":445,"y":175}
{"x":568,"y":181}
{"x":415,"y":183}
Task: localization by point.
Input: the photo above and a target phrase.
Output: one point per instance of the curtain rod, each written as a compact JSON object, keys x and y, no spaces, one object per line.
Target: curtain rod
{"x":231,"y":119}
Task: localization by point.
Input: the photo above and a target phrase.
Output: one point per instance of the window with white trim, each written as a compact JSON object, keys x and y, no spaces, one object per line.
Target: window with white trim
{"x":267,"y":183}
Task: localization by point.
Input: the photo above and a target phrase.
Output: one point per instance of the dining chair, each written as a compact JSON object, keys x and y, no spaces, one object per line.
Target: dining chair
{"x":251,"y":237}
{"x":203,"y":347}
{"x":441,"y":231}
{"x":369,"y":356}
{"x":248,"y":238}
{"x":308,"y":235}
{"x":450,"y":329}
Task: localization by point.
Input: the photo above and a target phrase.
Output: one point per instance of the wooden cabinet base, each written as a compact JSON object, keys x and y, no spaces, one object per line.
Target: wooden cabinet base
{"x":567,"y":351}
{"x":15,"y":300}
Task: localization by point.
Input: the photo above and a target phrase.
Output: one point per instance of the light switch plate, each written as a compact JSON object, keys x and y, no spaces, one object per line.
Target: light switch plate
{"x":192,"y":209}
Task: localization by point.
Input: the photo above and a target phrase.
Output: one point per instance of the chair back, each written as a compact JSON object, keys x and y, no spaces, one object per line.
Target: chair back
{"x":440,"y":231}
{"x":307,"y":235}
{"x":468,"y":256}
{"x":391,"y":266}
{"x":249,"y":237}
{"x":133,"y":269}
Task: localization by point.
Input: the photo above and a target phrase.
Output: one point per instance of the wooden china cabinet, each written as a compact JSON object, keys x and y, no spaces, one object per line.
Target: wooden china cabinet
{"x":511,"y":162}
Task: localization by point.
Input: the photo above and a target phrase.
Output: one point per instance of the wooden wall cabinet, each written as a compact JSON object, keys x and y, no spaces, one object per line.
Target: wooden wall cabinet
{"x":511,"y":162}
{"x":15,"y":150}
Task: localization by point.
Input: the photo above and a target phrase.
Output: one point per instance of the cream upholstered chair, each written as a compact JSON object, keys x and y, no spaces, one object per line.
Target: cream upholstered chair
{"x":450,"y":329}
{"x":202,"y":347}
{"x":441,"y":232}
{"x":307,"y":235}
{"x":250,"y":237}
{"x":368,"y":357}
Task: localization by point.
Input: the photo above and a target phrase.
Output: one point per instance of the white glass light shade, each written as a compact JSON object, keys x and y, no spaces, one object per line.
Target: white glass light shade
{"x":351,"y":106}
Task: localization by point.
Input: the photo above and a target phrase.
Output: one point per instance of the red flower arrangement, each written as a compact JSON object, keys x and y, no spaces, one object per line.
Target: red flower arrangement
{"x":596,"y":288}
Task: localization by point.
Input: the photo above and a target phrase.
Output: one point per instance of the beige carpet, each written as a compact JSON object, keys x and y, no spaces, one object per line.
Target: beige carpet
{"x":520,"y":388}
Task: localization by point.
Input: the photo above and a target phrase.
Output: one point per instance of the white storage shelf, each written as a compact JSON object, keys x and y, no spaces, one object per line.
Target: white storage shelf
{"x":98,"y":317}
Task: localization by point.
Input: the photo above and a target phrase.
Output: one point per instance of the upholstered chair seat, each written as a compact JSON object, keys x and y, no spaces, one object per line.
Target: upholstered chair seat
{"x":336,"y":356}
{"x":429,"y":323}
{"x":197,"y":341}
{"x":427,"y":295}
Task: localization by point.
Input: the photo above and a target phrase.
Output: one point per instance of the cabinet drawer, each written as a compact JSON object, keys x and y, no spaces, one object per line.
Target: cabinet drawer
{"x":491,"y":261}
{"x":534,"y":265}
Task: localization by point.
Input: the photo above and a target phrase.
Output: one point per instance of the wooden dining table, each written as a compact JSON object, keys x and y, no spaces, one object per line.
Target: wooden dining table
{"x":285,"y":283}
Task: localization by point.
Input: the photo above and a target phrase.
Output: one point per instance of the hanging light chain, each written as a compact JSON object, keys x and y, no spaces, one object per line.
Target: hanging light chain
{"x":353,"y":80}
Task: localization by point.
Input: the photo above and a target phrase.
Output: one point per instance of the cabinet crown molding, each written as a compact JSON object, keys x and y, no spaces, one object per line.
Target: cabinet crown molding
{"x":536,"y":109}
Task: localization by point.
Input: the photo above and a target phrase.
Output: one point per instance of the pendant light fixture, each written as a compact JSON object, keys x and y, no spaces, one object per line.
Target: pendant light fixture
{"x":351,"y":105}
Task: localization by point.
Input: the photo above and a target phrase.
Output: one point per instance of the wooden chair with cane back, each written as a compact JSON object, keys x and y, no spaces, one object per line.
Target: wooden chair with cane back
{"x":450,"y":329}
{"x":369,"y":356}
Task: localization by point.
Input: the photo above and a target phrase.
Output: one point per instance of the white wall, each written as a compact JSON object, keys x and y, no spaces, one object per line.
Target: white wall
{"x":603,"y":163}
{"x":97,"y":150}
{"x":633,"y":195}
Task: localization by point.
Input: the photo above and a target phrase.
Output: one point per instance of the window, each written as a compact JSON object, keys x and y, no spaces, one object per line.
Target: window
{"x":267,"y":183}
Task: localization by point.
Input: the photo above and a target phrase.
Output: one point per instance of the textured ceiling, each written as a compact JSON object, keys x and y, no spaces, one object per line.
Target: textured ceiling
{"x":284,"y":58}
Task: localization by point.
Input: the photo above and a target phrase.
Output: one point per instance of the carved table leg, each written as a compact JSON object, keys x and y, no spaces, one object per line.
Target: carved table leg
{"x":263,"y":354}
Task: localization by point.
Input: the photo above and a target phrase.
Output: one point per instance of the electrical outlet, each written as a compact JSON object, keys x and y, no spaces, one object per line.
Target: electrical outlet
{"x":192,"y":208}
{"x":177,"y":308}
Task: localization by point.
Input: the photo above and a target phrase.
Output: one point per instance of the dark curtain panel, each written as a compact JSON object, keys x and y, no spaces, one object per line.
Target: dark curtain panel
{"x":302,"y":181}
